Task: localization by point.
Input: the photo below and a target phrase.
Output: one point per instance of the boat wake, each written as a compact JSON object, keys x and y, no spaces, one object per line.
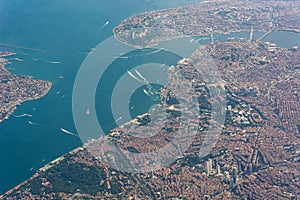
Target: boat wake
{"x":23,"y":115}
{"x":52,"y":62}
{"x":152,"y":52}
{"x":104,"y":25}
{"x":32,"y":123}
{"x":149,"y":91}
{"x":68,"y":132}
{"x":134,"y":77}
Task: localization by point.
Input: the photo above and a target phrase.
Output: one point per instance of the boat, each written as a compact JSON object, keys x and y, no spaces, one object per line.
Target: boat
{"x":32,"y":123}
{"x":53,"y":62}
{"x":104,"y":25}
{"x":146,"y":93}
{"x":68,"y":132}
{"x":18,"y":59}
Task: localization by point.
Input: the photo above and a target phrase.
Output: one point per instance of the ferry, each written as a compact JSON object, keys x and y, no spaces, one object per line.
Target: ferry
{"x":68,"y":132}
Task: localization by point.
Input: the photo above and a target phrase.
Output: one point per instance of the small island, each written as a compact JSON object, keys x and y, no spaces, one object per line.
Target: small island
{"x":16,"y":89}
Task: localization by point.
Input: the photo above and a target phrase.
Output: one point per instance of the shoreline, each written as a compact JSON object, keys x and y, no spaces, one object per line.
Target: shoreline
{"x":13,"y":107}
{"x":152,"y":45}
{"x":123,"y":41}
{"x":130,"y":21}
{"x":18,"y":103}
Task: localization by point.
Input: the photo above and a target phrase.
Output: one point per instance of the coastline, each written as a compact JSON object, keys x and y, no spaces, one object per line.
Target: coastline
{"x":18,"y":103}
{"x":131,"y":27}
{"x":121,"y":40}
{"x":58,"y":160}
{"x":13,"y":106}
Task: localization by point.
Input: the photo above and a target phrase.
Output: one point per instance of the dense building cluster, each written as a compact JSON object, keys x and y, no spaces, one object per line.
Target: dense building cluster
{"x":255,"y":157}
{"x":257,"y":153}
{"x":15,"y":89}
{"x":209,"y":17}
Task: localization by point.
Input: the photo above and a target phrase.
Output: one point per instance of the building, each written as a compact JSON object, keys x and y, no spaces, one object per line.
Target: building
{"x":209,"y":168}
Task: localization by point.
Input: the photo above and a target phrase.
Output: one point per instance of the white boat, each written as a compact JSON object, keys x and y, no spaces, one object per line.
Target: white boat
{"x":68,"y":132}
{"x":146,"y":93}
{"x":104,"y":25}
{"x":53,"y":62}
{"x":32,"y":123}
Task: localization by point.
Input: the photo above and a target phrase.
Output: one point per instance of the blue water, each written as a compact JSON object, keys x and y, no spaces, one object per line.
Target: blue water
{"x":66,"y":30}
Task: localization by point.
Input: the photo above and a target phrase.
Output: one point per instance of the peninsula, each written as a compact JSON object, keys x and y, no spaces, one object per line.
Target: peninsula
{"x":16,"y":89}
{"x":257,"y":155}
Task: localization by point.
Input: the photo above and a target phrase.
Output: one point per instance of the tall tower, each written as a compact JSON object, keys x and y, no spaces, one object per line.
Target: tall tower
{"x":212,"y":38}
{"x":218,"y":170}
{"x":251,"y":35}
{"x":208,"y":166}
{"x":234,"y":175}
{"x":234,"y":178}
